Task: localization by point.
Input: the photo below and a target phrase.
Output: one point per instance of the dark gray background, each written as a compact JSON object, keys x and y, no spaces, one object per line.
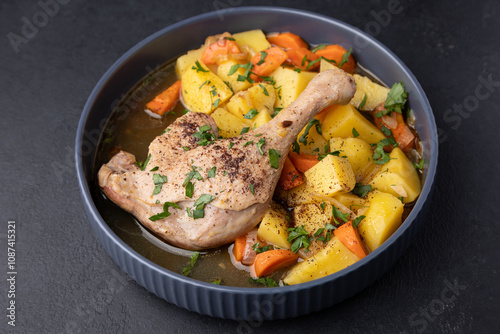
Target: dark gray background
{"x":66,"y":283}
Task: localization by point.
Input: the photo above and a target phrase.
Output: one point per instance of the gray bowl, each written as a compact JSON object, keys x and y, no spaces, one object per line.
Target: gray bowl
{"x":252,"y":304}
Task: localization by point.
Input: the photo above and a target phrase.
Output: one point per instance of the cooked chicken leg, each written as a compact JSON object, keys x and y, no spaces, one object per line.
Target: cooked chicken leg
{"x":238,"y":193}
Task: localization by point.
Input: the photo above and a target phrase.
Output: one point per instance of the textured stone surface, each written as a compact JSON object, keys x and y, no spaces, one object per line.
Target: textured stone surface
{"x":67,"y":284}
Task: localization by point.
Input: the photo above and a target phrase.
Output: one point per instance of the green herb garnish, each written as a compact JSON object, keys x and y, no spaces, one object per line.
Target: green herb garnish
{"x":154,"y":169}
{"x":266,"y":281}
{"x":380,"y":157}
{"x":189,"y":189}
{"x":299,"y":238}
{"x":194,"y":257}
{"x":211,"y":172}
{"x":274,"y":158}
{"x":263,"y":55}
{"x":345,"y":57}
{"x":251,"y":113}
{"x":251,"y":189}
{"x":357,"y":221}
{"x":361,"y":190}
{"x":363,"y":102}
{"x":319,"y":47}
{"x":142,"y":165}
{"x":158,"y":180}
{"x":261,"y":143}
{"x":244,"y":130}
{"x":313,"y":122}
{"x":338,"y":214}
{"x":198,"y":68}
{"x":165,"y":212}
{"x":355,"y":133}
{"x":262,"y":249}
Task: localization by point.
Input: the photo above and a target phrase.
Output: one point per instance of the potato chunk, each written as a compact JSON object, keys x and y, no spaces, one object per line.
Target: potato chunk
{"x":183,"y":62}
{"x":375,"y":93}
{"x":332,"y":258}
{"x":232,"y":80}
{"x":398,"y":177}
{"x":290,"y":84}
{"x":331,"y":176}
{"x":358,"y":152}
{"x":202,"y":90}
{"x":297,"y":195}
{"x":383,"y":217}
{"x":351,"y":201}
{"x":274,"y":225}
{"x":340,"y":120}
{"x":262,"y":97}
{"x":228,"y":124}
{"x":255,"y":41}
{"x":312,"y":216}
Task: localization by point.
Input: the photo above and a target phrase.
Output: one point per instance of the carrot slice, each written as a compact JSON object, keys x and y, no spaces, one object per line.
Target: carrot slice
{"x":288,"y":40}
{"x":221,"y":47}
{"x":301,"y":57}
{"x":401,"y":132}
{"x":349,"y":237}
{"x":290,"y":176}
{"x":273,"y":58}
{"x":166,"y":100}
{"x":239,"y":247}
{"x":267,"y":262}
{"x":336,"y":52}
{"x":303,"y":162}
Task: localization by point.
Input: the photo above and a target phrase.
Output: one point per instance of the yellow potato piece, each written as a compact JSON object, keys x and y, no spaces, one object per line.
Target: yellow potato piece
{"x":223,"y":73}
{"x":351,"y":201}
{"x":289,"y":85}
{"x":228,"y":124}
{"x":312,"y":216}
{"x":274,"y":225}
{"x":298,"y":195}
{"x":262,"y":97}
{"x":202,"y":90}
{"x":255,"y":40}
{"x":340,"y":120}
{"x":375,"y":93}
{"x":187,"y":60}
{"x":332,"y":258}
{"x":383,"y":217}
{"x":398,"y":177}
{"x":331,"y":176}
{"x":240,"y":104}
{"x":358,"y":152}
{"x":262,"y":118}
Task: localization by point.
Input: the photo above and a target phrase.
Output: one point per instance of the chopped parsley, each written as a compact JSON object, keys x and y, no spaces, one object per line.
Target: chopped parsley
{"x":380,"y":157}
{"x":154,"y":169}
{"x":185,"y":148}
{"x":345,"y":57}
{"x":355,"y":133}
{"x":211,"y":172}
{"x":319,"y":47}
{"x":216,"y":103}
{"x":261,"y":143}
{"x":313,"y":122}
{"x":395,"y":101}
{"x":248,"y":143}
{"x":323,"y":206}
{"x":198,"y":68}
{"x":251,"y":189}
{"x":274,"y":158}
{"x":299,"y":238}
{"x":198,"y":210}
{"x":192,"y":261}
{"x":357,"y":221}
{"x":363,"y":102}
{"x":386,"y":131}
{"x":262,"y":249}
{"x":216,"y":282}
{"x":420,"y":165}
{"x":165,"y":212}
{"x":296,"y":147}
{"x":142,"y":165}
{"x":322,"y":156}
{"x":158,"y":180}
{"x":251,"y":113}
{"x":324,"y":238}
{"x":204,"y":135}
{"x":231,"y":144}
{"x":298,"y":70}
{"x":244,"y":130}
{"x":361,"y":190}
{"x":266,"y":281}
{"x":189,"y":189}
{"x":263,"y":55}
{"x":266,"y":93}
{"x":193,"y":174}
{"x":337,"y":214}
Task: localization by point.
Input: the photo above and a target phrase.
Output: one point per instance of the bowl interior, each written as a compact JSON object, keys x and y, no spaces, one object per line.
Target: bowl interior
{"x":175,"y":40}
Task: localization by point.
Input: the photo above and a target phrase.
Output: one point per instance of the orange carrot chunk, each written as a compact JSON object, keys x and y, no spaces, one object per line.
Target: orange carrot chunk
{"x":268,"y":262}
{"x":239,"y":247}
{"x":287,"y":40}
{"x":303,"y":162}
{"x":216,"y":50}
{"x":349,"y":237}
{"x":395,"y":122}
{"x":290,"y":176}
{"x":336,"y":52}
{"x":166,"y":100}
{"x":302,"y":57}
{"x":265,"y":62}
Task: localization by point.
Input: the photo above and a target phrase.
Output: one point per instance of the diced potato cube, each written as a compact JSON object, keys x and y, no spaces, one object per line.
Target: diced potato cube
{"x":187,"y":60}
{"x":232,"y":80}
{"x":340,"y":120}
{"x":262,"y":118}
{"x":289,"y":84}
{"x":255,"y":40}
{"x":383,"y":217}
{"x":312,"y":216}
{"x":358,"y":152}
{"x":326,"y":65}
{"x":273,"y":228}
{"x":228,"y":124}
{"x":240,"y":104}
{"x":298,"y":195}
{"x":332,"y":258}
{"x":203,"y":91}
{"x":315,"y":143}
{"x":351,"y":201}
{"x":262,"y":97}
{"x":375,"y":93}
{"x":398,"y":177}
{"x":331,"y":176}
